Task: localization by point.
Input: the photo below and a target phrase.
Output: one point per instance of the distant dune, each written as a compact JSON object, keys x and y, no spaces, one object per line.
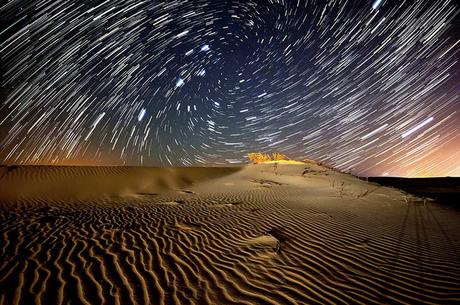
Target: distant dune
{"x":294,"y":234}
{"x":61,"y":182}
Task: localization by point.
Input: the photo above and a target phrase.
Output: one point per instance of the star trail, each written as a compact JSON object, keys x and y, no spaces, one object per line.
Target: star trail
{"x":370,"y":87}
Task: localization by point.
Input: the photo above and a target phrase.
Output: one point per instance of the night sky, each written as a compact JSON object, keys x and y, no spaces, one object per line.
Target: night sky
{"x":367,"y":86}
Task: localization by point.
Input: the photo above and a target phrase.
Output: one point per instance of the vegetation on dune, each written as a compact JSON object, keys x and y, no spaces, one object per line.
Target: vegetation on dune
{"x":278,"y":157}
{"x":258,"y":157}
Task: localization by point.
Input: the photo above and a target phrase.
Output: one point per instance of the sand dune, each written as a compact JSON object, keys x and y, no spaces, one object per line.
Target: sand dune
{"x":62,"y":182}
{"x":303,"y":235}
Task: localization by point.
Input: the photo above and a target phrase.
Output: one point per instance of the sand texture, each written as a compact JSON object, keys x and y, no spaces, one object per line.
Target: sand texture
{"x":303,"y":235}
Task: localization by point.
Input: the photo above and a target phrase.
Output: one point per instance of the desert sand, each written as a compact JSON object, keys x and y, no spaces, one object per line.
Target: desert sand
{"x":304,"y":234}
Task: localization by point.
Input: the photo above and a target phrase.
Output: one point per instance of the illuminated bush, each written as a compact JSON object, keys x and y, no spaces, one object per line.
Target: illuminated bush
{"x":258,"y":157}
{"x":278,"y":157}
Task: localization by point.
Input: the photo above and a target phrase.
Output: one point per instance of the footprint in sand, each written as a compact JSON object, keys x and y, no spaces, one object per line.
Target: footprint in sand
{"x":217,"y":204}
{"x":266,"y":183}
{"x":268,"y":242}
{"x":188,"y":192}
{"x":264,"y":243}
{"x":146,"y":194}
{"x":172,"y":203}
{"x":187,"y":227}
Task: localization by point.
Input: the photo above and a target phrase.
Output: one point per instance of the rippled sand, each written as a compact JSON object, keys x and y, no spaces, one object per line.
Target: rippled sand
{"x":303,"y":235}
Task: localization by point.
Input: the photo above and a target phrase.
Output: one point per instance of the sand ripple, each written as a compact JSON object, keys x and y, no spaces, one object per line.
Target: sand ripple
{"x":238,"y":239}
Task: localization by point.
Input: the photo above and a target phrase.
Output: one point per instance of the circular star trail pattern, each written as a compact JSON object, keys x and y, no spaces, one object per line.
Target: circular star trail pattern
{"x":367,"y":86}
